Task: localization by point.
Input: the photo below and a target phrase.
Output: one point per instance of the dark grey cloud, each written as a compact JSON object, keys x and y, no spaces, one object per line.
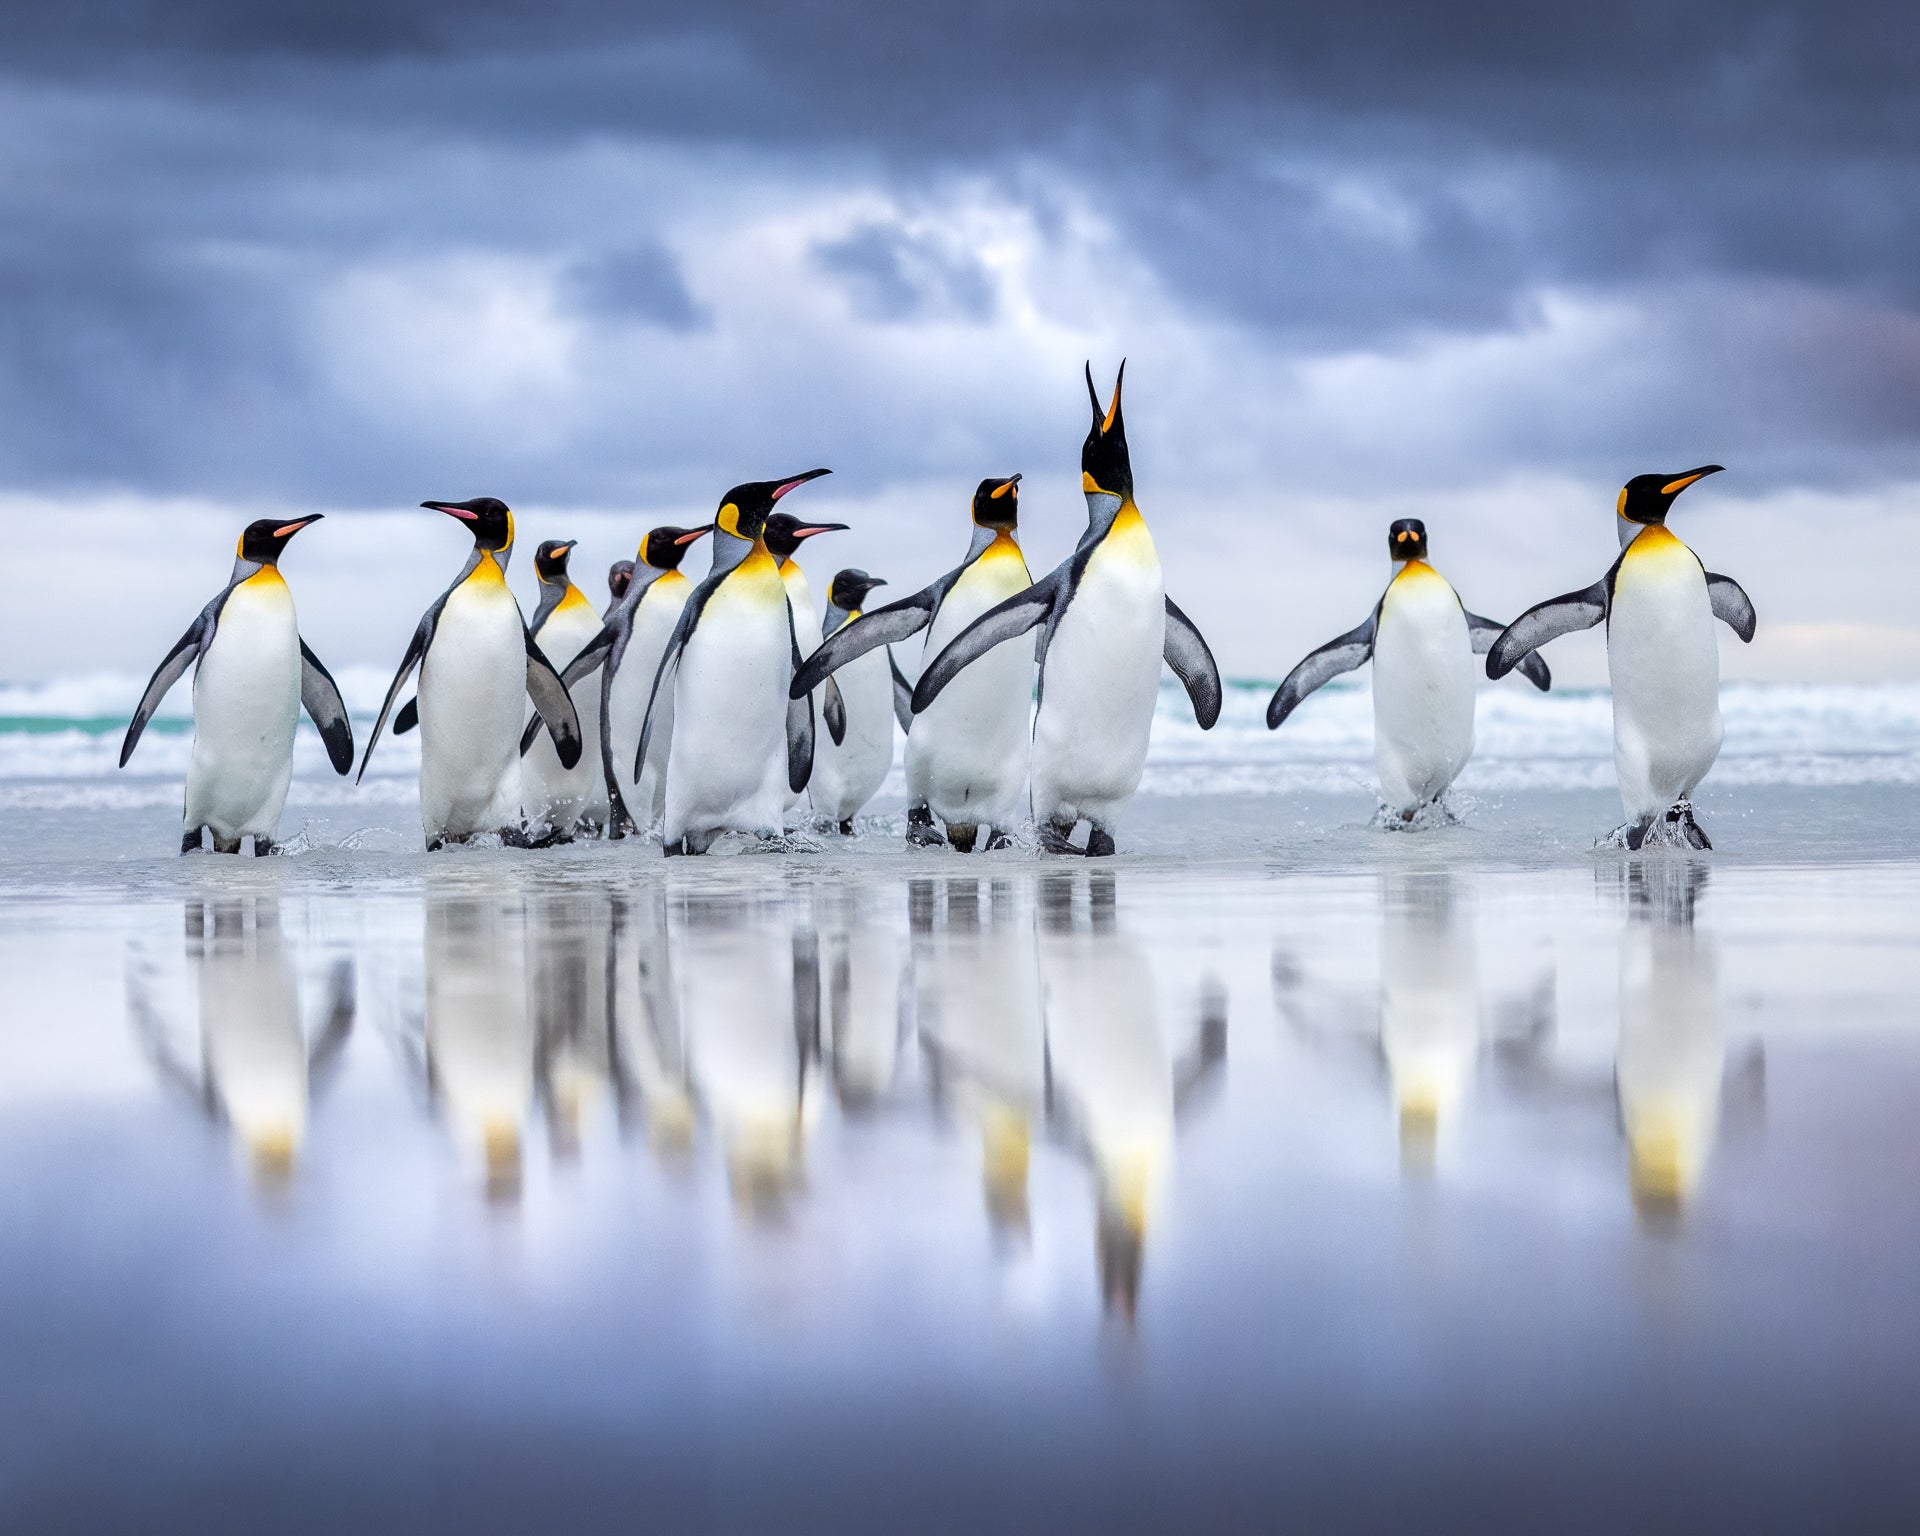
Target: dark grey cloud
{"x":892,"y":274}
{"x":636,"y":283}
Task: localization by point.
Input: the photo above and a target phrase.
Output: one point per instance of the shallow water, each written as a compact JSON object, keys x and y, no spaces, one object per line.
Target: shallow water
{"x":1279,"y":1171}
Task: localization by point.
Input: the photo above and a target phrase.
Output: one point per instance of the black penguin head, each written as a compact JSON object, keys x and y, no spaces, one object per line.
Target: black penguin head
{"x":850,"y":587}
{"x":785,"y":533}
{"x":996,"y":504}
{"x":486,"y":516}
{"x":1646,"y":498}
{"x":550,"y":561}
{"x":744,"y":509}
{"x":619,"y":578}
{"x":665,"y":548}
{"x":1407,"y":539}
{"x":1104,"y":465}
{"x":263,"y":541}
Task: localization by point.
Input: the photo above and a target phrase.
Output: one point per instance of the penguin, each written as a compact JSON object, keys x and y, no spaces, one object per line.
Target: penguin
{"x":726,"y":670}
{"x":1659,"y":603}
{"x":785,"y":534}
{"x":476,"y":657}
{"x":1107,"y":624}
{"x":556,"y":802}
{"x":1421,"y":640}
{"x":967,"y":752}
{"x":852,"y":763}
{"x":252,"y":675}
{"x":626,"y":652}
{"x":619,"y":578}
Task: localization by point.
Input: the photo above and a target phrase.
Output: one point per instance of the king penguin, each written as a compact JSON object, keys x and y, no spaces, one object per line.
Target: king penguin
{"x":555,"y":801}
{"x":852,"y":763}
{"x":727,"y":668}
{"x":626,"y":652}
{"x":967,"y":751}
{"x":1108,"y":622}
{"x":619,"y":578}
{"x":477,"y":658}
{"x":785,"y":534}
{"x":252,"y":674}
{"x":1659,"y":603}
{"x":1421,"y":640}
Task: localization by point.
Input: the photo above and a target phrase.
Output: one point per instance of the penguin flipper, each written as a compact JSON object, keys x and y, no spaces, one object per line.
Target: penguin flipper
{"x":883,"y":626}
{"x":1000,"y":623}
{"x":1557,"y":616}
{"x":320,"y":696}
{"x":1317,"y":668}
{"x":592,"y":654}
{"x":173,"y":666}
{"x":550,"y":698}
{"x":1483,"y":632}
{"x":409,"y":717}
{"x":799,"y":722}
{"x":902,"y":694}
{"x":1731,"y":606}
{"x":1193,"y":664}
{"x":833,"y":709}
{"x":416,"y":650}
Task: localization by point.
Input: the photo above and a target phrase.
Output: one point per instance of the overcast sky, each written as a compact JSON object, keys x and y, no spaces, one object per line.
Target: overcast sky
{"x":1477,"y":263}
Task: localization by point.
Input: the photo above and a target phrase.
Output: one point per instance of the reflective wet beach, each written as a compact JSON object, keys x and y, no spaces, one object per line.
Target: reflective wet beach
{"x":919,"y":1192}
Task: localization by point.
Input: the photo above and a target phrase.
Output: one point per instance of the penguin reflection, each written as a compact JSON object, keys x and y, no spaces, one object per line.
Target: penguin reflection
{"x":260,"y":1066}
{"x":1116,"y":1076}
{"x":976,"y":1001}
{"x":859,"y":970}
{"x":649,"y":1048}
{"x":570,"y":968}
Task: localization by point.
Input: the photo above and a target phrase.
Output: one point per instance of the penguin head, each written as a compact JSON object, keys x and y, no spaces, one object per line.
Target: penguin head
{"x":785,"y":533}
{"x":744,"y":509}
{"x":1646,"y":498}
{"x":1105,"y":469}
{"x":1407,"y":540}
{"x":996,"y":504}
{"x":619,"y":578}
{"x":550,"y":561}
{"x":262,"y":542}
{"x":665,"y":548}
{"x":850,"y":587}
{"x":487,"y":517}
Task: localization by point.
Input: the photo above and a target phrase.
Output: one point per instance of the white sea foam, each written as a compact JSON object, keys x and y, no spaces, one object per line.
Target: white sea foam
{"x":60,"y":742}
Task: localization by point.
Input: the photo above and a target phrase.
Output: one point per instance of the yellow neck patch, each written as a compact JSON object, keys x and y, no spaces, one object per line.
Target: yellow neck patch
{"x":488,"y":572}
{"x":574,"y":598}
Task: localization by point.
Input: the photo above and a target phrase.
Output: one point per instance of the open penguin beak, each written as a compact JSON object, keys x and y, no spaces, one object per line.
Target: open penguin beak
{"x":692,"y":534}
{"x":288,"y":530}
{"x":798,"y":480}
{"x":1104,"y":420}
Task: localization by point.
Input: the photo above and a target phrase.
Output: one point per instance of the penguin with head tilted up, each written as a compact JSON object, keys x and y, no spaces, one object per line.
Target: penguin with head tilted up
{"x":557,"y":802}
{"x":1659,"y":603}
{"x":477,"y":660}
{"x":967,"y":751}
{"x":252,"y":674}
{"x":785,"y":534}
{"x":626,"y":652}
{"x":619,"y":578}
{"x":1421,"y":641}
{"x":851,"y":762}
{"x":739,"y":744}
{"x":1105,"y":623}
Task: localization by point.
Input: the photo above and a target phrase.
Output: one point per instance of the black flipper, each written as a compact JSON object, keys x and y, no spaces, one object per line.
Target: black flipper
{"x":321,"y":698}
{"x":1193,"y":664}
{"x":1000,"y":623}
{"x":550,"y":698}
{"x":1320,"y":667}
{"x":416,"y":649}
{"x":187,"y":650}
{"x":1731,"y":605}
{"x":1557,"y":616}
{"x":1483,"y":632}
{"x":409,"y":717}
{"x":799,"y":722}
{"x":833,"y":709}
{"x":902,"y":695}
{"x":883,"y":626}
{"x":592,"y":654}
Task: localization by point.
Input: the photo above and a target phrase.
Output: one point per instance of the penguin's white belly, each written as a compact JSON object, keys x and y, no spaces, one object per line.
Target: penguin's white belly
{"x":246,"y":702}
{"x":848,"y":774}
{"x":728,"y":770}
{"x":1665,"y":669}
{"x":627,"y":697}
{"x":967,"y":752}
{"x":472,"y":683}
{"x":1423,"y":668}
{"x":1100,"y":683}
{"x":549,"y":793}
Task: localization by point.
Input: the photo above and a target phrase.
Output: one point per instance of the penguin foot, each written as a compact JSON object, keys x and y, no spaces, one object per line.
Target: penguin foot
{"x":262,"y":846}
{"x":996,"y":840}
{"x":846,"y":827}
{"x":962,"y":838}
{"x":1099,"y":843}
{"x":921,"y":832}
{"x":1057,"y":836}
{"x":225,"y":844}
{"x":518,"y":837}
{"x":190,"y":841}
{"x":1680,"y":816}
{"x":435,"y":844}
